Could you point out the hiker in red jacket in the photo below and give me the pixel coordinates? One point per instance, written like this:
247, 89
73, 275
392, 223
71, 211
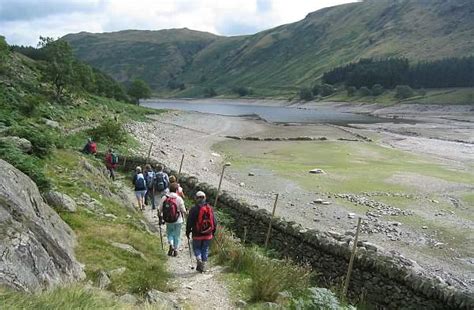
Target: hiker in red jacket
202, 224
111, 162
90, 147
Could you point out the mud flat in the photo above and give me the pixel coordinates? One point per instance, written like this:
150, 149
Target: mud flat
412, 183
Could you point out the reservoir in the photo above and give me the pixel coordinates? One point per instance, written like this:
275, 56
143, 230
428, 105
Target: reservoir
273, 114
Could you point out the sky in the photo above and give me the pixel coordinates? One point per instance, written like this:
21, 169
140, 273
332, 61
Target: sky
23, 21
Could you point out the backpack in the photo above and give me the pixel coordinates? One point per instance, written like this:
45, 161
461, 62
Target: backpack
140, 183
150, 177
160, 182
170, 209
93, 148
205, 222
114, 158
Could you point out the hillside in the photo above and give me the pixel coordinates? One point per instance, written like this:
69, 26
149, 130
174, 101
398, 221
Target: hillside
282, 59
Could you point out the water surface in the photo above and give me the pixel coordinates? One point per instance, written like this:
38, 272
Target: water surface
274, 114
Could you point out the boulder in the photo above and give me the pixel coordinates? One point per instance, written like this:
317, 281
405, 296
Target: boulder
317, 171
130, 249
21, 143
37, 246
50, 123
60, 201
128, 299
157, 297
103, 281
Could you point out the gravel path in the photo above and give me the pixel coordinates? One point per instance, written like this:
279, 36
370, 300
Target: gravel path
191, 289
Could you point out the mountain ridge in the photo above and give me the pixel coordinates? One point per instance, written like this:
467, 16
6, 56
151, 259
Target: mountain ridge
282, 59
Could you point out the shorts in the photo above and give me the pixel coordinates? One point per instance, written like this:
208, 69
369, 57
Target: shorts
140, 194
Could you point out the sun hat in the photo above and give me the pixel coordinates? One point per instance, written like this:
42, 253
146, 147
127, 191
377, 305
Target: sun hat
200, 194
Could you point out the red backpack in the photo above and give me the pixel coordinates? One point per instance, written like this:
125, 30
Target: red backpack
205, 222
170, 209
93, 148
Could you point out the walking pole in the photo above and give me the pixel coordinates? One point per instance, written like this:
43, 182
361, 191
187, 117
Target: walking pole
180, 166
220, 182
271, 220
190, 255
351, 261
245, 235
149, 153
161, 237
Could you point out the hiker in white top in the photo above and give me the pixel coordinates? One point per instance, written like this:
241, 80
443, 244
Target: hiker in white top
171, 210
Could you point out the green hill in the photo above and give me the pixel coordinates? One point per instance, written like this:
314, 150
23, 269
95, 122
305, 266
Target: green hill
280, 60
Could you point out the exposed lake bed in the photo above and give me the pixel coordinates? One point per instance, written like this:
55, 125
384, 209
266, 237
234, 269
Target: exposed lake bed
412, 184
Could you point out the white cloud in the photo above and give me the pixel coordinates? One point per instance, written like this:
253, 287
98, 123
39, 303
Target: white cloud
56, 18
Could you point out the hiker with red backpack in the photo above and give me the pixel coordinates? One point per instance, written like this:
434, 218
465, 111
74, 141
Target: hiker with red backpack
171, 210
111, 162
202, 224
90, 147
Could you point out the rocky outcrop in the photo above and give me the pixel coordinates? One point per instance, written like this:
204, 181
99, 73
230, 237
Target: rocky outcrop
21, 143
36, 246
60, 201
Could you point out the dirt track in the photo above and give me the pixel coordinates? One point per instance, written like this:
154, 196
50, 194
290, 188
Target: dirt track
448, 139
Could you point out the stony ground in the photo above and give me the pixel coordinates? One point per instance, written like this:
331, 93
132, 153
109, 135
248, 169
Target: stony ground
192, 289
194, 134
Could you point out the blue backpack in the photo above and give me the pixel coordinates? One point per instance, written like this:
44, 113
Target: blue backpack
140, 183
150, 177
160, 182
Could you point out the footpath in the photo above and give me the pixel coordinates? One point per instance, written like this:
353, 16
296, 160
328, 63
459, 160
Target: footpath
191, 289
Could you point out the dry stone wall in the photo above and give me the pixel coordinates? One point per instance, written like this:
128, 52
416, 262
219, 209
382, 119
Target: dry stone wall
387, 282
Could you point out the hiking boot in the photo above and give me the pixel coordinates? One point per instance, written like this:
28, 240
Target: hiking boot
204, 267
170, 251
199, 266
175, 253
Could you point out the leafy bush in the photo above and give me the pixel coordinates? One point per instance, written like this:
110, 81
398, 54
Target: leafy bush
351, 90
364, 91
306, 94
109, 131
326, 90
403, 92
42, 138
28, 164
319, 298
377, 90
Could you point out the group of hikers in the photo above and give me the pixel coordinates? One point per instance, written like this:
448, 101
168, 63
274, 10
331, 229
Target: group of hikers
111, 157
164, 194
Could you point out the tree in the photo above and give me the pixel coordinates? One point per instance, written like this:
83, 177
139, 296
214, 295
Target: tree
4, 51
403, 92
306, 94
59, 58
351, 90
377, 90
326, 90
139, 89
365, 91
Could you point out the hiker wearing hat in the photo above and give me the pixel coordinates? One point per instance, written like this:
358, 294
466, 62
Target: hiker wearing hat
172, 211
202, 224
140, 188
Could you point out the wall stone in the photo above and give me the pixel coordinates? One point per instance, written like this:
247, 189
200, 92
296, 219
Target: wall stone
387, 282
